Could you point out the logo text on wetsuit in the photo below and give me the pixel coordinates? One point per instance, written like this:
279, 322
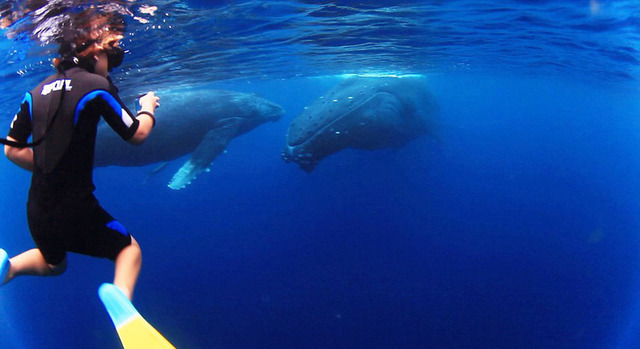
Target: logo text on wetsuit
56, 86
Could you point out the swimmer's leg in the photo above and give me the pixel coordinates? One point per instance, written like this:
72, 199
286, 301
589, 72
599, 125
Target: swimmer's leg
128, 264
32, 262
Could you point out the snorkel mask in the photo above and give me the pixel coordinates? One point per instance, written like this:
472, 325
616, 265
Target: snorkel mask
115, 56
70, 55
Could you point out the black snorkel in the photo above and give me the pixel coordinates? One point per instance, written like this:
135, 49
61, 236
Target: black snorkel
70, 57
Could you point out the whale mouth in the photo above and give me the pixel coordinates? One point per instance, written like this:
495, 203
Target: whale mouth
305, 160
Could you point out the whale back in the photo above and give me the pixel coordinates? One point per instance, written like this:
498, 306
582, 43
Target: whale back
182, 120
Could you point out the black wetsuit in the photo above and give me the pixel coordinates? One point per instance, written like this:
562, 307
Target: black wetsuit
62, 211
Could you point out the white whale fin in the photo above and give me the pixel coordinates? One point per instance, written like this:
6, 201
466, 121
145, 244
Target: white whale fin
213, 144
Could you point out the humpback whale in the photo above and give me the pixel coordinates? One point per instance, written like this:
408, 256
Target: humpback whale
201, 122
362, 113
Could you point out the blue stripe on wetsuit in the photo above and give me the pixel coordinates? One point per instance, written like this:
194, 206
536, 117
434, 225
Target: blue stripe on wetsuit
29, 100
117, 226
106, 96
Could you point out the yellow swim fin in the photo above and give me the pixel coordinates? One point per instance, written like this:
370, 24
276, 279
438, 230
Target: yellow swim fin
134, 331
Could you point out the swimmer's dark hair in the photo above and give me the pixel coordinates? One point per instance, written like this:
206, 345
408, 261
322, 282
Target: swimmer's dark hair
84, 36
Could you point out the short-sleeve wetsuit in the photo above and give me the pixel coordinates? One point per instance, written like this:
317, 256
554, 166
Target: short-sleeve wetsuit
63, 214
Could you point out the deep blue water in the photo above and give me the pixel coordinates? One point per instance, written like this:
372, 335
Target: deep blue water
516, 226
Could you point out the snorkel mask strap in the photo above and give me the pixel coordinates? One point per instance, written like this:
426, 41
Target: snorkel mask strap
69, 53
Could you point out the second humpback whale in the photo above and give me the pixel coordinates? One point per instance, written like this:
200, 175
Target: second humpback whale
201, 122
361, 113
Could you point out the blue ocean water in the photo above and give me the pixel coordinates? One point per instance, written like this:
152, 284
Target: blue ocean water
515, 226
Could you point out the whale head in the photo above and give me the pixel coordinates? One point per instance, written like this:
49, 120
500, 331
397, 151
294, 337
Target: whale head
361, 113
256, 107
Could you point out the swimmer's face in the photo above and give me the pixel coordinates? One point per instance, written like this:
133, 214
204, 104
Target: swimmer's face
102, 64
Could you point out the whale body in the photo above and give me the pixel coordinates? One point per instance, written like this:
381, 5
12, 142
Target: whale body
362, 113
201, 122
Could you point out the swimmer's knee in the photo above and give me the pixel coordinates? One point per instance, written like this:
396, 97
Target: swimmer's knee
133, 249
134, 242
134, 246
59, 269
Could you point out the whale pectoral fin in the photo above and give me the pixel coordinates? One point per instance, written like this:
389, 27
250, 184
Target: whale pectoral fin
213, 143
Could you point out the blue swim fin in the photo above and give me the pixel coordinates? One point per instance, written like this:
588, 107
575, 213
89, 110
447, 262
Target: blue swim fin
134, 331
4, 265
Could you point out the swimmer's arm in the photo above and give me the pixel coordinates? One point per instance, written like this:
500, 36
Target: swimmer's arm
22, 157
148, 103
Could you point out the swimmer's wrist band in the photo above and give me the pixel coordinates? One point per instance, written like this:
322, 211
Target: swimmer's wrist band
150, 114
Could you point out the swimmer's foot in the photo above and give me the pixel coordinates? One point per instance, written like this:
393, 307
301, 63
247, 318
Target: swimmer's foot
4, 266
134, 331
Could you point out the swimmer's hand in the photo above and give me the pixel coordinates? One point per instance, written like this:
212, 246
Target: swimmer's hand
149, 102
